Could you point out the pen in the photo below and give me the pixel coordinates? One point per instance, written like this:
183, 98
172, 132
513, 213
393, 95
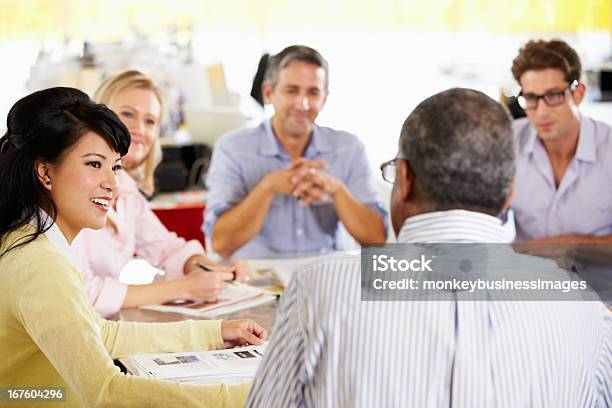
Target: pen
202, 266
208, 269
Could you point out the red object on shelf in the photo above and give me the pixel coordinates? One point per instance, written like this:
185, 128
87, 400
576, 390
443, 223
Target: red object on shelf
184, 219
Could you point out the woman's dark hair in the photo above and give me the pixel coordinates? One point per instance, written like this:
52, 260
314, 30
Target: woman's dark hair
42, 126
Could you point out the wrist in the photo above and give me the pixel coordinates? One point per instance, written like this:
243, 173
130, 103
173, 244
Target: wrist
337, 189
180, 289
221, 331
266, 185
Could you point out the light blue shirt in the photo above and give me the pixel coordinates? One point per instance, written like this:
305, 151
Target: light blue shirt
582, 204
330, 349
241, 159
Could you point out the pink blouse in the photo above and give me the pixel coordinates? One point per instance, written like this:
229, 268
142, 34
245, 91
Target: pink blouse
138, 232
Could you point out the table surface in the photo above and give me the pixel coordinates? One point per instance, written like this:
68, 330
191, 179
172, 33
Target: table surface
264, 315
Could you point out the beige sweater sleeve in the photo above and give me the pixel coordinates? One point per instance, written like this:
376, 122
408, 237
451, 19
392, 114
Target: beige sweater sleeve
54, 310
190, 335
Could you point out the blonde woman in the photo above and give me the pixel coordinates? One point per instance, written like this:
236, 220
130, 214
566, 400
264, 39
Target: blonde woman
132, 228
59, 161
139, 103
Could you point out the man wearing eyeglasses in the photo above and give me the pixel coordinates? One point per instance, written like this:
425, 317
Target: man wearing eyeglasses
563, 190
332, 348
285, 186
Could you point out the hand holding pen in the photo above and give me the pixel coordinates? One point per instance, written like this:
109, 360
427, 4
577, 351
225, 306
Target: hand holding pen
240, 269
218, 269
205, 279
205, 285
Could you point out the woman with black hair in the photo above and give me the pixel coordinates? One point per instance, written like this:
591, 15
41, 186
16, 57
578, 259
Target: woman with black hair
58, 165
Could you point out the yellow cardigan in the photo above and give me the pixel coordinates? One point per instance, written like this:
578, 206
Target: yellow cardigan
50, 336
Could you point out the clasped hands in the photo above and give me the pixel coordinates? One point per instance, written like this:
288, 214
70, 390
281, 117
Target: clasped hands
304, 180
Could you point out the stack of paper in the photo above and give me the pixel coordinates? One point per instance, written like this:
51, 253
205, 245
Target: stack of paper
203, 367
236, 296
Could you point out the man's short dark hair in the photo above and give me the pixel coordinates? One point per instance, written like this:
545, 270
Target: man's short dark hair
459, 145
291, 54
540, 54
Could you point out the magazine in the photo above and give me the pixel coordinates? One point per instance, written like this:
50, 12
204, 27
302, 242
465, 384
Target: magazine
236, 296
198, 367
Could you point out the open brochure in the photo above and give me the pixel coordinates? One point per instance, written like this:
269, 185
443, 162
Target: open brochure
198, 367
236, 296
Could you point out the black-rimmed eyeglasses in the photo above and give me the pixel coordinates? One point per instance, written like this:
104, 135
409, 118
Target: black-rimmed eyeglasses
552, 98
389, 169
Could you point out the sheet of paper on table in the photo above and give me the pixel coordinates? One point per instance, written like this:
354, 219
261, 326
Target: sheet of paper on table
236, 296
283, 268
198, 367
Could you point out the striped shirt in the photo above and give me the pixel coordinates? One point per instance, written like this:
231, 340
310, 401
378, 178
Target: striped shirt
329, 349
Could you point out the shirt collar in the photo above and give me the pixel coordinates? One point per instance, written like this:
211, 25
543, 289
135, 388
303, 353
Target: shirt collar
453, 226
319, 142
271, 146
532, 138
57, 238
586, 149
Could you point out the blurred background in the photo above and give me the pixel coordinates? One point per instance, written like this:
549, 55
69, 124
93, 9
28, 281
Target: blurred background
384, 55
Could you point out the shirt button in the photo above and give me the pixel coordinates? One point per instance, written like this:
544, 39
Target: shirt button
299, 232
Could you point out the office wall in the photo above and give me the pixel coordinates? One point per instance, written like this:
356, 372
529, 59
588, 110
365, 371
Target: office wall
385, 56
111, 19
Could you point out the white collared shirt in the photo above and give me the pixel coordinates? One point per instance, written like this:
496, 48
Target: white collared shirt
330, 349
55, 235
453, 226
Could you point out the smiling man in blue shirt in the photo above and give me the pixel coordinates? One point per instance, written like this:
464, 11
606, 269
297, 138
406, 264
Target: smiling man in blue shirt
284, 186
564, 163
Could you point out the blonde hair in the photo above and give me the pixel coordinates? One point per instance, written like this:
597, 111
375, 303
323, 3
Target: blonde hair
107, 91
